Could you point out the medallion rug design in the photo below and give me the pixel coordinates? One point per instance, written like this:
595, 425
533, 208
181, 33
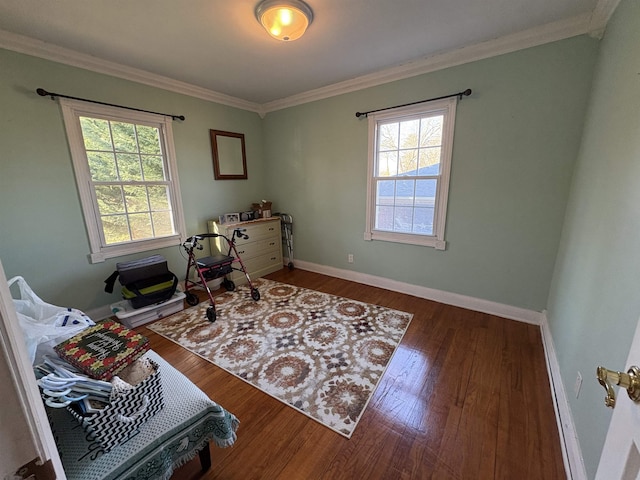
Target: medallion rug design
321, 354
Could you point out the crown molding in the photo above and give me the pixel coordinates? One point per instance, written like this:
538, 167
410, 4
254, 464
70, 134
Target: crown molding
600, 17
593, 24
548, 33
47, 51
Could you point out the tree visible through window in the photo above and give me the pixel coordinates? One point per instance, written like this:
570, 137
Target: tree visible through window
129, 178
131, 202
409, 163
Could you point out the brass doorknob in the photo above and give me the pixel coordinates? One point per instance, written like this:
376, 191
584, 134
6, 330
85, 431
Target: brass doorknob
630, 381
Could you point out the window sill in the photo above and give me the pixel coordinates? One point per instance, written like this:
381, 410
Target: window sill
420, 240
133, 247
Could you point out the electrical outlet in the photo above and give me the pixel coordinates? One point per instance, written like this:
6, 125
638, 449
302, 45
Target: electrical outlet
350, 258
578, 384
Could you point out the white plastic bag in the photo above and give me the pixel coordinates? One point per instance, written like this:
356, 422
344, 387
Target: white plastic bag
43, 323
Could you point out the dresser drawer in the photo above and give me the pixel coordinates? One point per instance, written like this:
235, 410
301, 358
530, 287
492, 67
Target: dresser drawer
258, 231
261, 252
258, 248
258, 266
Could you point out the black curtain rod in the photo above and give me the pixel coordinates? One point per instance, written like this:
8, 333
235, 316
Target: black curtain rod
466, 93
43, 93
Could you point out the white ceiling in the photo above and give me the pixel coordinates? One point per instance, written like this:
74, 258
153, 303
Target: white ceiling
217, 47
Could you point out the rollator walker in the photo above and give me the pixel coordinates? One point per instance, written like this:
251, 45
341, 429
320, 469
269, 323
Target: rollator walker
213, 267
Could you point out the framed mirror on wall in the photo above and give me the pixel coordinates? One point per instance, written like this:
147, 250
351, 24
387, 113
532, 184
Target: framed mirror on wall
229, 156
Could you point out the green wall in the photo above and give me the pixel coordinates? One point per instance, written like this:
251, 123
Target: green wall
42, 233
516, 141
594, 303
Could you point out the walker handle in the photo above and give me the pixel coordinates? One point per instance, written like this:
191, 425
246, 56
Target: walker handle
238, 232
192, 242
203, 235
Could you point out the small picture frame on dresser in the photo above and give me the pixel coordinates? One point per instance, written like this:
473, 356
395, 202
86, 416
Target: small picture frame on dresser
230, 218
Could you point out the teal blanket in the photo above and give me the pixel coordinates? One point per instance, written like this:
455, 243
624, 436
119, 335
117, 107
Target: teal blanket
186, 424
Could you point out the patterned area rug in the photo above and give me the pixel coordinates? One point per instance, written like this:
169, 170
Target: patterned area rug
321, 354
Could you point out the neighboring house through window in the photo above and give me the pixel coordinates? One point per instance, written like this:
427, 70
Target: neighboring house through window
408, 182
126, 173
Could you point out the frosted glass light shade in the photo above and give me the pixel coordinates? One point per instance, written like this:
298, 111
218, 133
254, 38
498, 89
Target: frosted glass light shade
284, 20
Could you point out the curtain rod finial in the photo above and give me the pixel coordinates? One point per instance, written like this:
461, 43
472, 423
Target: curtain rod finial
43, 93
466, 93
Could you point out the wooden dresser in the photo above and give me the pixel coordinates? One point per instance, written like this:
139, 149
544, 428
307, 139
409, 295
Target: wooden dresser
261, 253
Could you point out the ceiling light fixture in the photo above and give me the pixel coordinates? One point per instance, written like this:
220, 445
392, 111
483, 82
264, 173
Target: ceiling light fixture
284, 20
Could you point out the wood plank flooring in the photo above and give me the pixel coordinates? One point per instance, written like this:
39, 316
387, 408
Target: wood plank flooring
466, 396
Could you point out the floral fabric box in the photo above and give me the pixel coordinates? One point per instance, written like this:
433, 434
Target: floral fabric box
103, 350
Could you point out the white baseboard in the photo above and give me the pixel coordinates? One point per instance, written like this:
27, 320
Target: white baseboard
455, 299
100, 313
571, 451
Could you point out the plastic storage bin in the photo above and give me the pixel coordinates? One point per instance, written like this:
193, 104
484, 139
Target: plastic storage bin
132, 318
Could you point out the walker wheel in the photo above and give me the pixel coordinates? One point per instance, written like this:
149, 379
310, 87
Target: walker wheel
211, 314
192, 299
290, 265
228, 285
255, 294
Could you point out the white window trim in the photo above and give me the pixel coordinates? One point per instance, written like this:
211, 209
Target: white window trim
71, 111
437, 241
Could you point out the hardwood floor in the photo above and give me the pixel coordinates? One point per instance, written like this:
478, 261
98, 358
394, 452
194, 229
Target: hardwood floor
466, 396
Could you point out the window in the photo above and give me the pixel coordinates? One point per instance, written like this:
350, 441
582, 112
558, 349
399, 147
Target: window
126, 173
408, 182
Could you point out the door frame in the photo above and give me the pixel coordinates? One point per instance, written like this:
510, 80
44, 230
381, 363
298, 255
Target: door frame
24, 382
